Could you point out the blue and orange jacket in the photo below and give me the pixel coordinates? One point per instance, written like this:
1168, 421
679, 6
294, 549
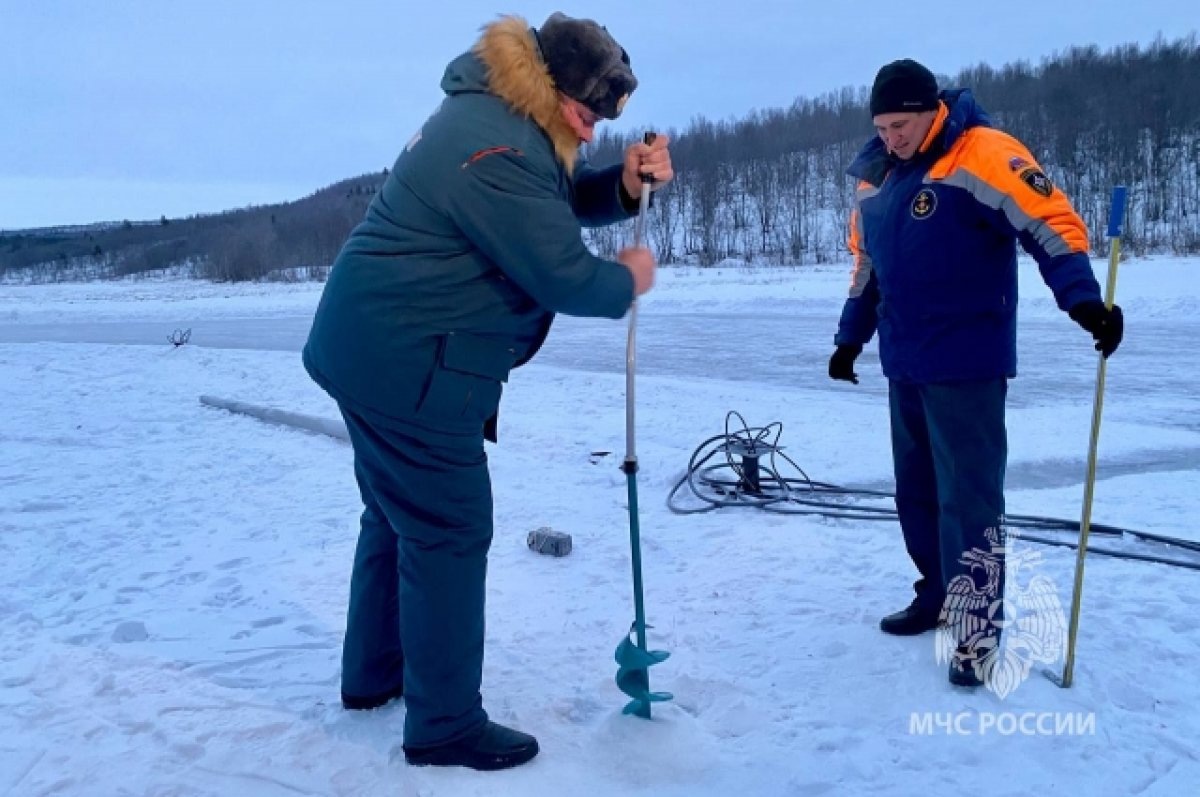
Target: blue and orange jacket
934, 245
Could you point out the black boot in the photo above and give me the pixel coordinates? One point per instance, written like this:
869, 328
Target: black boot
962, 669
914, 620
492, 747
359, 703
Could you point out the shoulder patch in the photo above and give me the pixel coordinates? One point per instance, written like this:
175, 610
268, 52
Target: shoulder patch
483, 153
1036, 179
924, 203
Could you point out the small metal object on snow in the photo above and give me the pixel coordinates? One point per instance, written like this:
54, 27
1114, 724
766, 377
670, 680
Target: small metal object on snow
550, 542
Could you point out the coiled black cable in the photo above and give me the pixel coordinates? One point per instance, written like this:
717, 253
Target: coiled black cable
758, 484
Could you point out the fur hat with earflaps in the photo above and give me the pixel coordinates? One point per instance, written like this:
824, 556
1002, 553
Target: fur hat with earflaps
586, 63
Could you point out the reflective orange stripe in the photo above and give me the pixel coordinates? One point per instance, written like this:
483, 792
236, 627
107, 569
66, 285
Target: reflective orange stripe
998, 161
860, 272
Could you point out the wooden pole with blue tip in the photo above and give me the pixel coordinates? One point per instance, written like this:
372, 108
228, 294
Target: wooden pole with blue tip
1116, 219
633, 658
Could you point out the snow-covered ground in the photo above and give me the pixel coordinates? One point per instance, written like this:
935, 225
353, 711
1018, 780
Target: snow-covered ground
174, 577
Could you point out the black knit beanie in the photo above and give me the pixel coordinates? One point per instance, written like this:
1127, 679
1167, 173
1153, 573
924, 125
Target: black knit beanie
904, 86
586, 63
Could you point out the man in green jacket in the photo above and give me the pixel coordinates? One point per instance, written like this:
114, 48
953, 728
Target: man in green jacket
453, 279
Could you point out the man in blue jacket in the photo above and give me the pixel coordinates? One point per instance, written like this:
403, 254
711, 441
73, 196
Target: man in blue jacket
452, 280
943, 201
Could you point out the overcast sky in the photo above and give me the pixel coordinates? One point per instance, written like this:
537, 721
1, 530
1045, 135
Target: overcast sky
139, 108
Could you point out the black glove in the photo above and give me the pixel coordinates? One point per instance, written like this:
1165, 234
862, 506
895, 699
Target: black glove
841, 364
1107, 326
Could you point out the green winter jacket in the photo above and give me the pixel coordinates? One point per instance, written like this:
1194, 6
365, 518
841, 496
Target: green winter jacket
468, 250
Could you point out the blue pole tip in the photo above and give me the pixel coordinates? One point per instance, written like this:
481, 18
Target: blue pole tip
1116, 214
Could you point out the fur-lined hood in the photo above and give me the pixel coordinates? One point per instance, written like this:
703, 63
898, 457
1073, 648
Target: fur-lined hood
513, 70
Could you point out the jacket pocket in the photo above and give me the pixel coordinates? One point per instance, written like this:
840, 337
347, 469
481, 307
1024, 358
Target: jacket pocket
465, 384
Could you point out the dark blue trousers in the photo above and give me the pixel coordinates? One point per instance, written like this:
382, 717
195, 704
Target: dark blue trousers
416, 612
949, 450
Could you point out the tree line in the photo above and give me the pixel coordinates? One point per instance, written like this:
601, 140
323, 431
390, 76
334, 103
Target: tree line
288, 241
770, 187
